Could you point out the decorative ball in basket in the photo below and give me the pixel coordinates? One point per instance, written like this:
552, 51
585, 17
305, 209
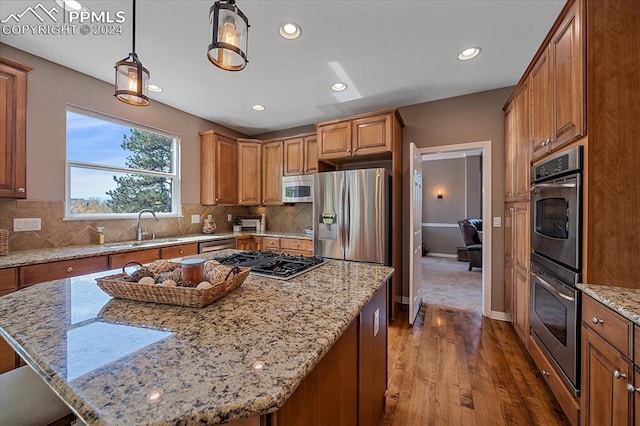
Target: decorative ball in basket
171, 283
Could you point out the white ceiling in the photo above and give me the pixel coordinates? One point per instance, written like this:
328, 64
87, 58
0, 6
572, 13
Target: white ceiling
393, 53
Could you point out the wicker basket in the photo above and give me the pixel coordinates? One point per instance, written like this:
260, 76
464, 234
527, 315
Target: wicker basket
4, 242
117, 286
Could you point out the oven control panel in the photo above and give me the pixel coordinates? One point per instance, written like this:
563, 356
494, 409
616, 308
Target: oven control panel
566, 162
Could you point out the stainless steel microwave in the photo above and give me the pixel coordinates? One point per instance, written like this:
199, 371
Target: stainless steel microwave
297, 189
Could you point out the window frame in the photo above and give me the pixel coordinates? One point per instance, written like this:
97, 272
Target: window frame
176, 196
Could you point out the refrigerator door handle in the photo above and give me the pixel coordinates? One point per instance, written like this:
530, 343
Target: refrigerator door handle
346, 207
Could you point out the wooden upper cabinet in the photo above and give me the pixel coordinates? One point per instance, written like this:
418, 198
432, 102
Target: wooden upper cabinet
540, 107
567, 57
294, 156
249, 172
557, 87
218, 169
13, 129
523, 144
510, 153
272, 164
310, 154
372, 135
362, 135
334, 140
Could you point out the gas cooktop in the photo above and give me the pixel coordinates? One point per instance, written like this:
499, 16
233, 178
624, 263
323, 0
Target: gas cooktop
273, 265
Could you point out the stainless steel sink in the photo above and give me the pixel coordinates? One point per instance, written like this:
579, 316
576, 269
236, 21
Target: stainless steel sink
125, 244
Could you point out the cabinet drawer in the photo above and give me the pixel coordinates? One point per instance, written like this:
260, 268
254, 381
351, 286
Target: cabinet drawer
142, 256
34, 274
611, 326
269, 243
178, 251
296, 244
569, 404
8, 280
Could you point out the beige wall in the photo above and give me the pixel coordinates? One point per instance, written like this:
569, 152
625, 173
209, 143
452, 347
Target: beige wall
52, 87
471, 118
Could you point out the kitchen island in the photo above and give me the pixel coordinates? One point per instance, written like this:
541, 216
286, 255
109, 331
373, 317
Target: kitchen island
123, 362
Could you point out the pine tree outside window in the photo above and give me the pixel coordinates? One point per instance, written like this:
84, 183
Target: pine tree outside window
116, 168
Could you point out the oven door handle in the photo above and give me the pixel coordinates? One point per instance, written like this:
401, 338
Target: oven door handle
554, 290
552, 185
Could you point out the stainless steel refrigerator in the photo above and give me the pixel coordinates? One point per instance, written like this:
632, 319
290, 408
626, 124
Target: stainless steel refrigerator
351, 215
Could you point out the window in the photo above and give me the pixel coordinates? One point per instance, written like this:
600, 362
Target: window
116, 168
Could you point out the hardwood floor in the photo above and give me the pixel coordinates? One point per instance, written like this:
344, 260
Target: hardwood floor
457, 368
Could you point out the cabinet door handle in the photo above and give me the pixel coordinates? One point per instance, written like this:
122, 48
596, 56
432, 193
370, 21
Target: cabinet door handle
70, 269
21, 189
181, 251
545, 373
596, 320
631, 389
619, 375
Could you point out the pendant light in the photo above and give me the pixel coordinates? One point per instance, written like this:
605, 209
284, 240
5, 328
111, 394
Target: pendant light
228, 48
132, 79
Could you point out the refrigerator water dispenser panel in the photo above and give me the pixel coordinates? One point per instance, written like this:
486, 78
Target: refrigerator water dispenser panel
327, 227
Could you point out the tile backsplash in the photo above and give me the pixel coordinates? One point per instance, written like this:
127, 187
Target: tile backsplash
56, 232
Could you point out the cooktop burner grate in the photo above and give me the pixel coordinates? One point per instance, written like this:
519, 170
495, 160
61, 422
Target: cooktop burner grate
273, 265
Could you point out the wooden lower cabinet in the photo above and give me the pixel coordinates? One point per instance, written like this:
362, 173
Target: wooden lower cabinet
348, 385
296, 246
607, 367
142, 256
271, 244
178, 251
521, 306
249, 243
34, 274
569, 403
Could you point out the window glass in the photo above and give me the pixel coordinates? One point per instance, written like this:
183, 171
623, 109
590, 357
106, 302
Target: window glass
116, 168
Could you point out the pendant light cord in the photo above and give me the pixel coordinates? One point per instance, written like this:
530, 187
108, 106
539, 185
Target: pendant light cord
133, 47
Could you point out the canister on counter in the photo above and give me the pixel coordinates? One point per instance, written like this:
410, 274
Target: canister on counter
192, 270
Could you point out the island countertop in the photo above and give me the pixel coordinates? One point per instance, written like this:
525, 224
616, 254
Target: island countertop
123, 362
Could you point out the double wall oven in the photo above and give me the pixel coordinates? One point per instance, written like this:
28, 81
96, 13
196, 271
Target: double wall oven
556, 228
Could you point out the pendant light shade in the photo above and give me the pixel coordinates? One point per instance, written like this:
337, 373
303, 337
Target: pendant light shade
132, 79
228, 48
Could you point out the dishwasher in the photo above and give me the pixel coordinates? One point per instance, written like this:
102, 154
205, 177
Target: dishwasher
217, 245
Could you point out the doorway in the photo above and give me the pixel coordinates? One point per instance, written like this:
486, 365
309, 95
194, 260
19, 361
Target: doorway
484, 148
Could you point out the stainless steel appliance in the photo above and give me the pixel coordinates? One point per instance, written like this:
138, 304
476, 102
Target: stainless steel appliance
351, 212
297, 189
556, 245
217, 245
555, 316
556, 208
272, 265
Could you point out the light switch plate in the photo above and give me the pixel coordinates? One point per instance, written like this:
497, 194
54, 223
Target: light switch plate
229, 217
27, 224
497, 222
195, 218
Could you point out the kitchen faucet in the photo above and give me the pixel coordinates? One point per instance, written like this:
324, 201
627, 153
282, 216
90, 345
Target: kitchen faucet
140, 233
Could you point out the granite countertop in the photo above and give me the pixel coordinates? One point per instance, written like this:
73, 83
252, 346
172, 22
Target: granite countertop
31, 257
625, 301
124, 362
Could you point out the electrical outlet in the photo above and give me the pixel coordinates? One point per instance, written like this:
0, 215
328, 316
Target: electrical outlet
229, 217
27, 224
497, 222
195, 218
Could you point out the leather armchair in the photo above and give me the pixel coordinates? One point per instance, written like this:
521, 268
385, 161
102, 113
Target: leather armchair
469, 229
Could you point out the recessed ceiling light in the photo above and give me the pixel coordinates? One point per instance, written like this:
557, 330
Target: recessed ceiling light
290, 30
258, 107
155, 88
469, 53
70, 4
338, 87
